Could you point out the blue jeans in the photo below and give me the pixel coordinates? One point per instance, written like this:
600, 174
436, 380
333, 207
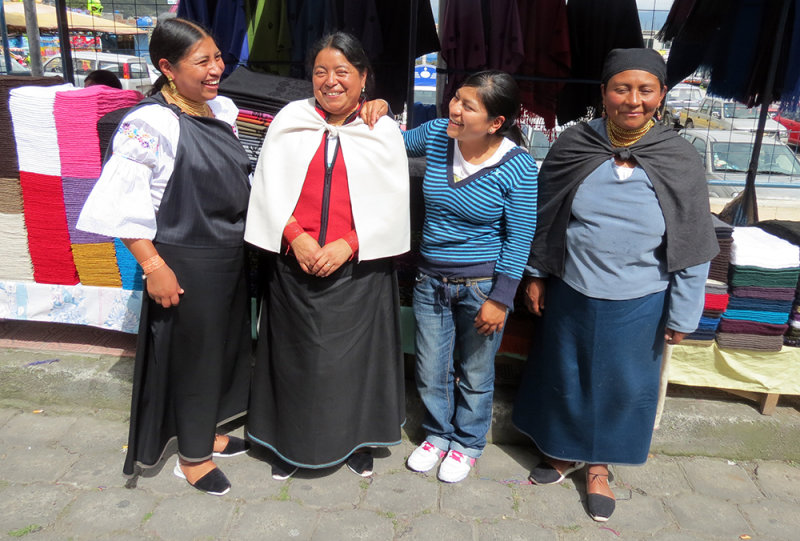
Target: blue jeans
457, 394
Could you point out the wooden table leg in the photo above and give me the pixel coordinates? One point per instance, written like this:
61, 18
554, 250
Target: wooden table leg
769, 401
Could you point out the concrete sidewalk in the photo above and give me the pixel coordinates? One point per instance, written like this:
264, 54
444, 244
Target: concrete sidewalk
719, 471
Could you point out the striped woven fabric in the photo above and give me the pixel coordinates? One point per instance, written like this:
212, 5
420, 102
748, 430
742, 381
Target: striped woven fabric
15, 260
9, 167
77, 112
76, 190
97, 264
129, 269
48, 236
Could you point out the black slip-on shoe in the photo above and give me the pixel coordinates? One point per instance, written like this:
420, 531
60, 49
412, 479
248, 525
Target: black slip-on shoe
214, 482
236, 446
360, 463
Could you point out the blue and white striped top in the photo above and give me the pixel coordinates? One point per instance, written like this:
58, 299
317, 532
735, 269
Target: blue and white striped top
484, 224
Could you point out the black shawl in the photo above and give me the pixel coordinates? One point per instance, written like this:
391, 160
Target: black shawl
674, 168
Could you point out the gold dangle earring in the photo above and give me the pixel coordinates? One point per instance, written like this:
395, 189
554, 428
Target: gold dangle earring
171, 84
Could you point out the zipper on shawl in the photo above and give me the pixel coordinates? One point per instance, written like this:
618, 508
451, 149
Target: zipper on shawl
326, 191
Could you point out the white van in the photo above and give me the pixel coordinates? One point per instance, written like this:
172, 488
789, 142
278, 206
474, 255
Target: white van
131, 70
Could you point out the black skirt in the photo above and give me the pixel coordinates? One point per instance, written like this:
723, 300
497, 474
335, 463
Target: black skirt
193, 360
329, 376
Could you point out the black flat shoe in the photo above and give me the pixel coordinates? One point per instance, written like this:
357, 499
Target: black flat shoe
236, 446
282, 470
214, 482
545, 473
600, 507
360, 463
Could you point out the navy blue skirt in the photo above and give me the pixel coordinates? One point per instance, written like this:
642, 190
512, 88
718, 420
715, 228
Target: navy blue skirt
590, 388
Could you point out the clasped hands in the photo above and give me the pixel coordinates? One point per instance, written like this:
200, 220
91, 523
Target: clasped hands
319, 260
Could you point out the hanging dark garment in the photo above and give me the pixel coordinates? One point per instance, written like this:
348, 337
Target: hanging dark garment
735, 39
479, 35
230, 30
463, 44
269, 37
595, 27
199, 11
546, 45
192, 368
226, 21
391, 66
307, 24
790, 90
694, 26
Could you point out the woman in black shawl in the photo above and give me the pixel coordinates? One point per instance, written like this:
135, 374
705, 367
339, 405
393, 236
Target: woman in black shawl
622, 245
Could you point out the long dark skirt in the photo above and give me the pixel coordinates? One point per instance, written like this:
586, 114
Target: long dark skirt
328, 377
590, 388
193, 360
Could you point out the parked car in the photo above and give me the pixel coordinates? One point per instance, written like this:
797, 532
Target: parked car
682, 96
719, 114
131, 70
791, 119
726, 156
16, 67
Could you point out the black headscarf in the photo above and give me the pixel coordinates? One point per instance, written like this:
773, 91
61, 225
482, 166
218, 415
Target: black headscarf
619, 60
673, 166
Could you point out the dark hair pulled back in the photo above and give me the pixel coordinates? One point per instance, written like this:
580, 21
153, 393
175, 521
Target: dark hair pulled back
171, 40
350, 47
499, 93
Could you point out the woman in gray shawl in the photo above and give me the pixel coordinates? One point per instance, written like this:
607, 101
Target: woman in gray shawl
622, 245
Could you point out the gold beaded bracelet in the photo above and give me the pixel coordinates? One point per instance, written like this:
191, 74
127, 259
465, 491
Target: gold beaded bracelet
151, 264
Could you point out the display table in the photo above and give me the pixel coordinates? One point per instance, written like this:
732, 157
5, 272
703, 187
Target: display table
109, 308
762, 376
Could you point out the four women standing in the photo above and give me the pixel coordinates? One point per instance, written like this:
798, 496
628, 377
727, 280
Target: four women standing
330, 205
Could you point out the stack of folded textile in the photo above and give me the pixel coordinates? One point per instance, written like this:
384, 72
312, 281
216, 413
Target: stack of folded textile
259, 97
789, 231
252, 127
15, 259
40, 177
763, 278
77, 112
716, 299
719, 265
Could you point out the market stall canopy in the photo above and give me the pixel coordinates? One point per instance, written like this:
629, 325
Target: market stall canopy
46, 15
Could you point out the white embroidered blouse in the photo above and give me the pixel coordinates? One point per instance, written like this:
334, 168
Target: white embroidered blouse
124, 202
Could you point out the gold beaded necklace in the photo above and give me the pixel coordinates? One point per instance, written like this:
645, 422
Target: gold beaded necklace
620, 137
190, 107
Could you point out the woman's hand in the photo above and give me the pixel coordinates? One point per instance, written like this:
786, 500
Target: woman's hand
372, 110
674, 337
332, 256
534, 295
163, 287
491, 317
306, 250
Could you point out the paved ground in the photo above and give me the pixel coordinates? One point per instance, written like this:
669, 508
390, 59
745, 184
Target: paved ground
63, 428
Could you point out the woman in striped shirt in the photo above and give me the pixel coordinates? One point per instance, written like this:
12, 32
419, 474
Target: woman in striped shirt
480, 215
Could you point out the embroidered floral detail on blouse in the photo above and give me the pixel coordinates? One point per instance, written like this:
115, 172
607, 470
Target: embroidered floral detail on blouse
145, 139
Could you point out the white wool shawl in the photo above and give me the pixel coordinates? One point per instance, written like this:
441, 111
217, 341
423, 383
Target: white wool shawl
377, 175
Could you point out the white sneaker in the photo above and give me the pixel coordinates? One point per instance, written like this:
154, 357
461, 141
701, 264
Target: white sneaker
455, 467
424, 457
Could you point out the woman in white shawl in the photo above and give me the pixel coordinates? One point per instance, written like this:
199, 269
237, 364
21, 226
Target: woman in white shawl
330, 203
